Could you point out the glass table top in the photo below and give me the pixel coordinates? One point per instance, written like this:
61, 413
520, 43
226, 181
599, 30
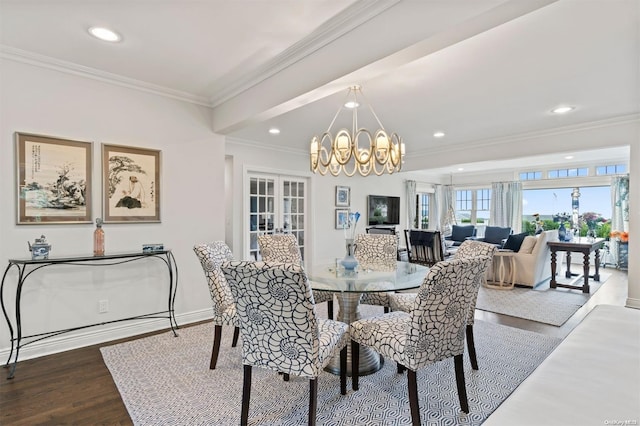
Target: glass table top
370, 277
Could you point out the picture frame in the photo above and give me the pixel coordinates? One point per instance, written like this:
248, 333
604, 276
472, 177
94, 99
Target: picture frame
343, 196
342, 218
130, 184
53, 180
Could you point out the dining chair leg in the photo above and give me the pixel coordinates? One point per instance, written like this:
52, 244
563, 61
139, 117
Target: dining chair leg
285, 377
236, 333
343, 371
217, 335
313, 401
412, 385
462, 389
246, 396
387, 310
330, 309
401, 368
355, 364
471, 347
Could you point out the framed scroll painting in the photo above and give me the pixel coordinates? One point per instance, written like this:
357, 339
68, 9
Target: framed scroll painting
130, 184
53, 180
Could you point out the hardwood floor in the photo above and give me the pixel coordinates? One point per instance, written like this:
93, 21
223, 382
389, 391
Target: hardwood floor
75, 387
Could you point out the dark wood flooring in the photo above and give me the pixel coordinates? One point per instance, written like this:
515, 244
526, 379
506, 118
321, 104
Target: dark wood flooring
75, 387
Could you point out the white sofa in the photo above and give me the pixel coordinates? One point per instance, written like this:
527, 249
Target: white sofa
591, 378
535, 267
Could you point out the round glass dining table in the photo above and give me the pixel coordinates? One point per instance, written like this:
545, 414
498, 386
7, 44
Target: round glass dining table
349, 287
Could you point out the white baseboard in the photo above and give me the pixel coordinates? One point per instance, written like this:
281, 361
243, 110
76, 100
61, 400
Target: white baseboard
633, 303
101, 334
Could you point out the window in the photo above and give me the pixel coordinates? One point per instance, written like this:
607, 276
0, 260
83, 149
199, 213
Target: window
611, 169
565, 173
422, 211
472, 206
530, 175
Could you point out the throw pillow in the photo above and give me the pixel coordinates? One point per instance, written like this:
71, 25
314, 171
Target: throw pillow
514, 241
460, 233
528, 244
496, 234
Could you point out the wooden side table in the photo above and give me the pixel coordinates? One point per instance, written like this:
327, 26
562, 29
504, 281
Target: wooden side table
500, 283
579, 245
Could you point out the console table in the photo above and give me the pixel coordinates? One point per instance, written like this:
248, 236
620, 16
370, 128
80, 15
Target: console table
581, 245
26, 267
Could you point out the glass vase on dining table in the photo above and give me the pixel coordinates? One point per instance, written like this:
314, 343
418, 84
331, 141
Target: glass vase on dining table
591, 233
349, 262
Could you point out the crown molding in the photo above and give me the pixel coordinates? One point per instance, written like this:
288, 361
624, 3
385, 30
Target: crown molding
484, 143
43, 61
353, 16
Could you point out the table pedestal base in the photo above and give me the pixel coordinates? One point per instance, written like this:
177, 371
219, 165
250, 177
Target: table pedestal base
348, 312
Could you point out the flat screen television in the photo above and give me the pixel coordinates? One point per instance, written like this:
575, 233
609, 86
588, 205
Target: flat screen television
384, 210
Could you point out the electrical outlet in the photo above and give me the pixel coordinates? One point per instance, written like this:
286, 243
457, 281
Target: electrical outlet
103, 306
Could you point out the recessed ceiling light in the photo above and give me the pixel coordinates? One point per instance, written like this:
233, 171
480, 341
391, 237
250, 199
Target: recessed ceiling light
562, 109
352, 104
460, 169
568, 157
104, 34
274, 131
438, 135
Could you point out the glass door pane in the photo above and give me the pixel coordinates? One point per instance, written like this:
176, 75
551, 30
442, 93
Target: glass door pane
276, 205
293, 220
261, 210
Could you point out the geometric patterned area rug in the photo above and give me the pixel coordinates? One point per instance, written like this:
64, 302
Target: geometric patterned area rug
165, 380
545, 305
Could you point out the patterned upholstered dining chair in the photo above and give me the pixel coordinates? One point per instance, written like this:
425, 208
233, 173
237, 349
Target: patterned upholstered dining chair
284, 248
376, 249
432, 331
290, 339
470, 248
211, 256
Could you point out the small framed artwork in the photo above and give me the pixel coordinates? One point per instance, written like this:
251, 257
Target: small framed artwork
342, 218
53, 180
343, 196
130, 184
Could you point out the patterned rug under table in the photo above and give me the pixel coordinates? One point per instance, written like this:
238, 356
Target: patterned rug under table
165, 380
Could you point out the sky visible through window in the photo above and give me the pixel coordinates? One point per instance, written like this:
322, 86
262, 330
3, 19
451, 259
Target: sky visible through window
548, 202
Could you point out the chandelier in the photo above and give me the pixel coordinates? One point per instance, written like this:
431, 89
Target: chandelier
360, 150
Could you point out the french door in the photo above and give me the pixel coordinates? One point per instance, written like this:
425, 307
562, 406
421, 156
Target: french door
277, 204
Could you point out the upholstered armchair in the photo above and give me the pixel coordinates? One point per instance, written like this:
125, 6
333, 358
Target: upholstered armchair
211, 256
290, 339
284, 248
432, 331
376, 249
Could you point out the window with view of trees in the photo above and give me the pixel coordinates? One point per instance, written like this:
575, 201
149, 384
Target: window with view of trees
472, 206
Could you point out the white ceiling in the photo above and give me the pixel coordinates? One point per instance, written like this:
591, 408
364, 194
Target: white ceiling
480, 70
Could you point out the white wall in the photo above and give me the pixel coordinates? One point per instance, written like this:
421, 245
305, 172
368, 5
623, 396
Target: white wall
324, 241
45, 101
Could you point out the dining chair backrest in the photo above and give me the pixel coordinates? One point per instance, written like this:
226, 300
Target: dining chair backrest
374, 248
277, 316
439, 315
471, 248
211, 256
424, 246
279, 248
